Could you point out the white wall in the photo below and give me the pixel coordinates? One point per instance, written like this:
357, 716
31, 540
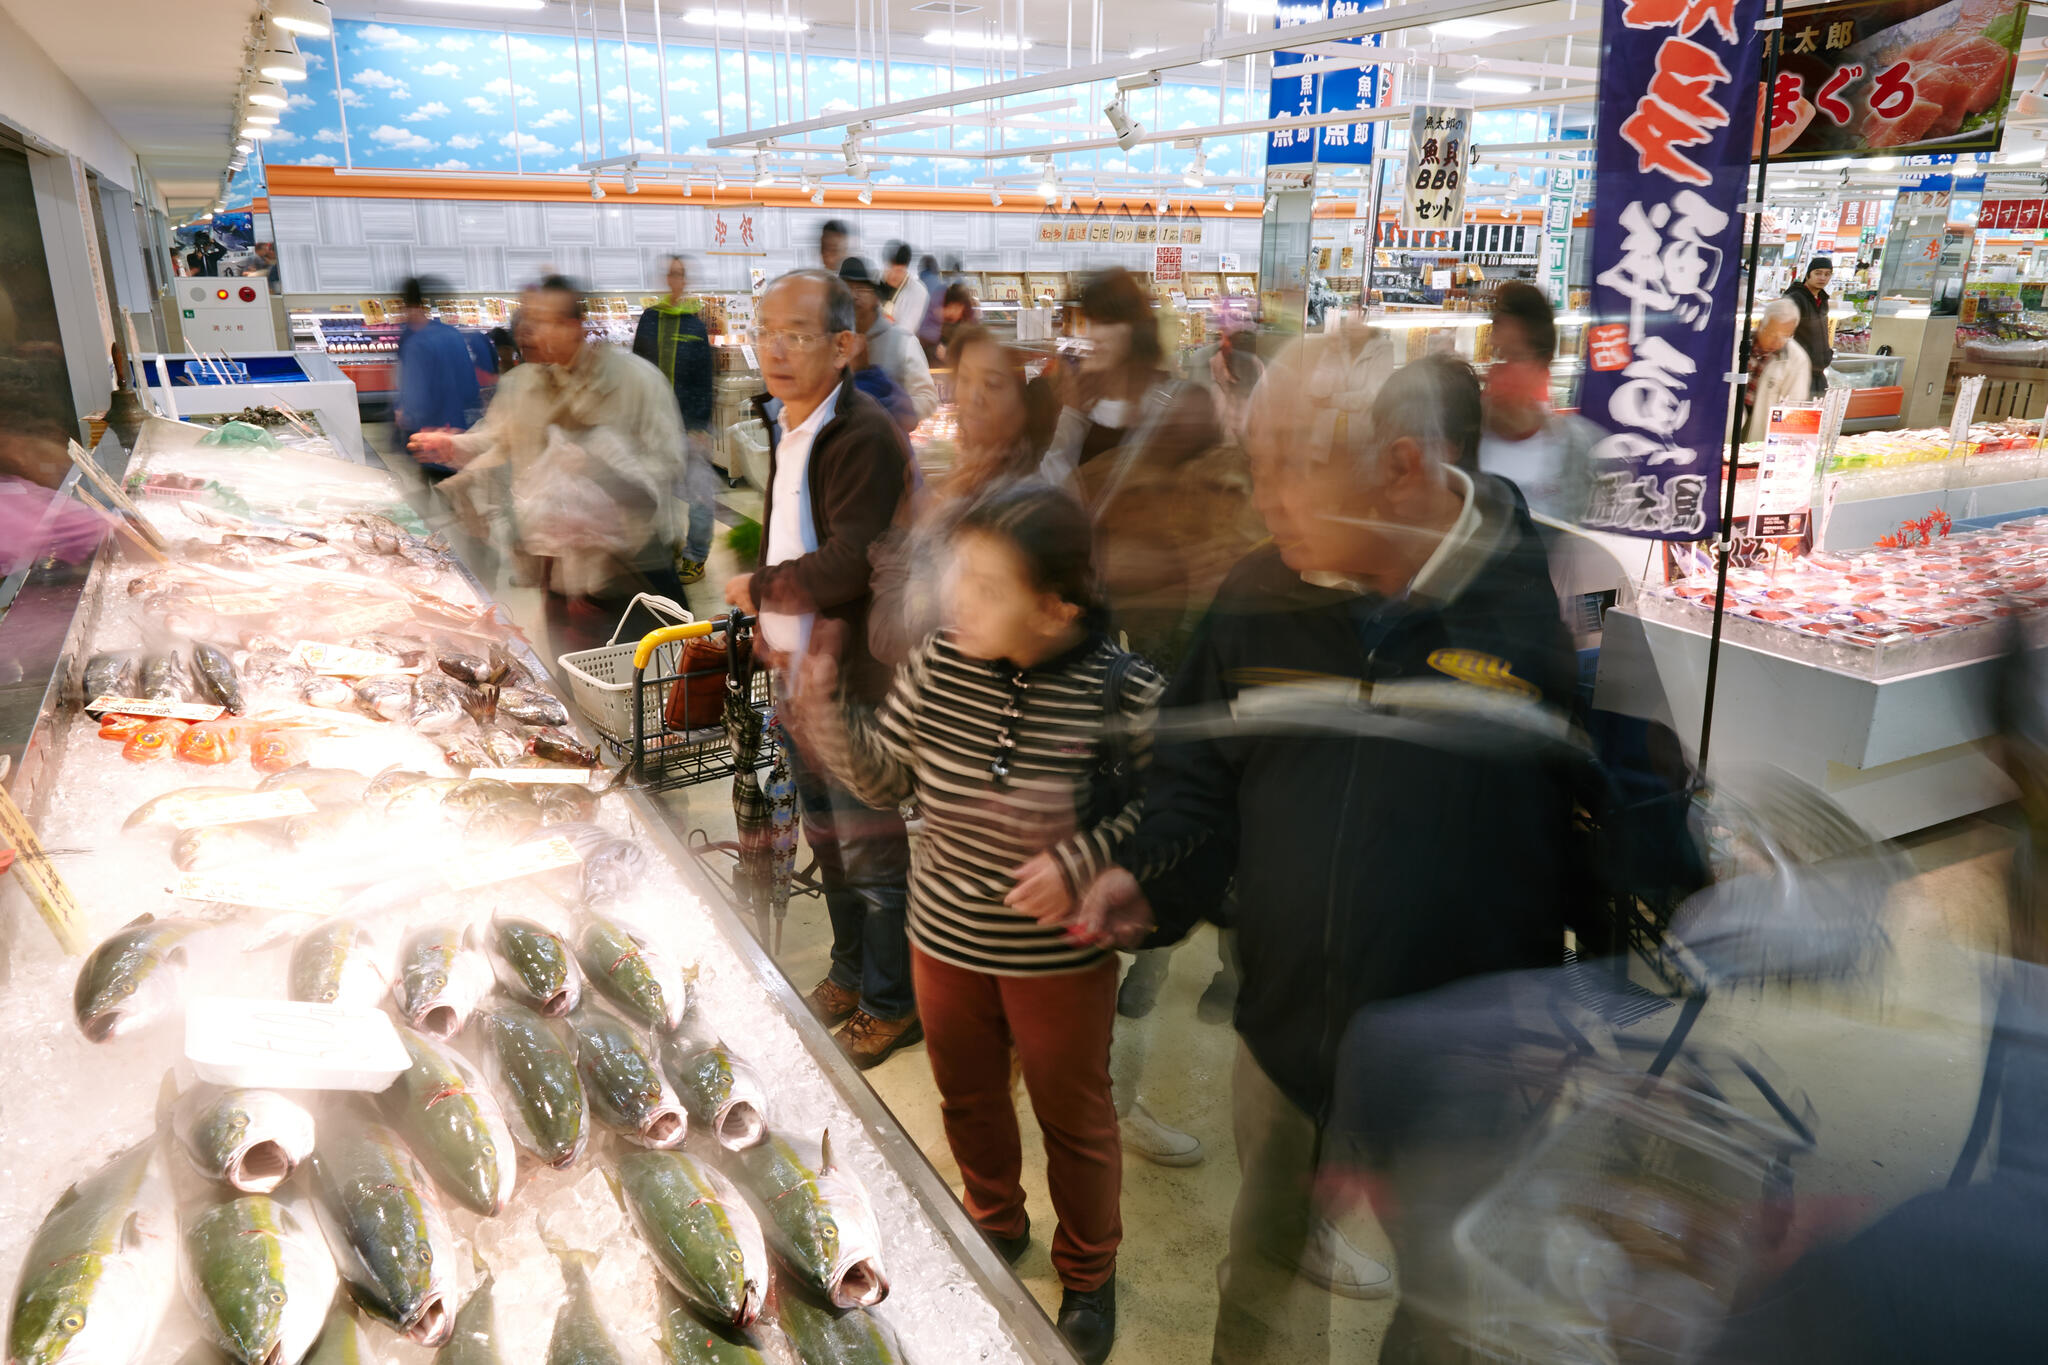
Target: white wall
38, 98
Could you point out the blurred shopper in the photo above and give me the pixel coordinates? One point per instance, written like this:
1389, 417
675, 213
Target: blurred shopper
672, 336
1002, 431
1546, 454
587, 443
266, 266
437, 388
931, 322
1779, 370
838, 470
832, 244
1229, 368
1023, 671
904, 295
889, 346
959, 312
1408, 844
1810, 294
1127, 432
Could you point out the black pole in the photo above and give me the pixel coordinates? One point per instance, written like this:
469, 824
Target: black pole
1773, 40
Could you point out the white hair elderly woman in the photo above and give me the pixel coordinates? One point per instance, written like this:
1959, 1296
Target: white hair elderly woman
1779, 371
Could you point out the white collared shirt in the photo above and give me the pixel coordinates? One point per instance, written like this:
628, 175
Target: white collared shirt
792, 535
1461, 530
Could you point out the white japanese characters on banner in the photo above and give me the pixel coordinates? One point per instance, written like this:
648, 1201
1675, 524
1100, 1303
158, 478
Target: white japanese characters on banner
1439, 152
1677, 119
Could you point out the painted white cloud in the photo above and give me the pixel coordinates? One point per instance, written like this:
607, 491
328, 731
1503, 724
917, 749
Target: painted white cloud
401, 139
561, 78
454, 44
696, 61
329, 135
481, 105
352, 98
314, 61
526, 144
449, 165
319, 159
686, 85
383, 35
281, 137
734, 100
644, 144
299, 102
439, 69
465, 141
371, 78
833, 106
431, 109
620, 93
890, 180
553, 118
526, 50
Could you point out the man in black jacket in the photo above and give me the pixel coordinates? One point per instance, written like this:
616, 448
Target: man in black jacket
1811, 294
672, 336
838, 468
1367, 728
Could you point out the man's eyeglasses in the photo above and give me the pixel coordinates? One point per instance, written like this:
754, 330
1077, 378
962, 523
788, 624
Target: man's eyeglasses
796, 341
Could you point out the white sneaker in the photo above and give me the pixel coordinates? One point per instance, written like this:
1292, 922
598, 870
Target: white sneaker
1331, 1261
1156, 1142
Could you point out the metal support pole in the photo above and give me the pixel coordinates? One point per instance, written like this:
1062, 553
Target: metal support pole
661, 71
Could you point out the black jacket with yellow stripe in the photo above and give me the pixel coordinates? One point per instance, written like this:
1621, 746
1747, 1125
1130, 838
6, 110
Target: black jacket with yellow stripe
1392, 781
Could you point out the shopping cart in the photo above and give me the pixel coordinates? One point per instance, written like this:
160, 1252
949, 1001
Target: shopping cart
625, 691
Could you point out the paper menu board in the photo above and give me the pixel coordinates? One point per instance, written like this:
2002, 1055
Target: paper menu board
1785, 470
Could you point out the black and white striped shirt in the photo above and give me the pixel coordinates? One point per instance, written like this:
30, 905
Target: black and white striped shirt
949, 722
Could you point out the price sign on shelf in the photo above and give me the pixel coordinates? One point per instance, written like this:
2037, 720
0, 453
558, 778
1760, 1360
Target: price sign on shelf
484, 869
196, 812
1967, 394
158, 710
1784, 476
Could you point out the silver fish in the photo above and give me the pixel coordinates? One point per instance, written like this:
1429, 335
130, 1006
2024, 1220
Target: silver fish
132, 977
388, 1233
819, 1222
531, 707
623, 1082
437, 704
157, 812
259, 1279
101, 1271
250, 1139
441, 977
387, 696
211, 847
318, 689
336, 963
720, 1090
322, 786
112, 675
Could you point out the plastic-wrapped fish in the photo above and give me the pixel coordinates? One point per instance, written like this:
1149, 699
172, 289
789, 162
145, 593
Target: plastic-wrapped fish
536, 1080
476, 1337
452, 1123
409, 652
580, 1337
112, 675
275, 748
377, 793
318, 689
559, 746
561, 803
335, 963
322, 786
437, 704
132, 977
158, 739
531, 707
470, 668
259, 1279
387, 696
503, 745
102, 1269
704, 1236
390, 1234
122, 728
534, 964
612, 866
820, 1223
638, 977
167, 677
157, 812
623, 1082
464, 748
441, 977
723, 1094
217, 679
211, 847
249, 1139
213, 741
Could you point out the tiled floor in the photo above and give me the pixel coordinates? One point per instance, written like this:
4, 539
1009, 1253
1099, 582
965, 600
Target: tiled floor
1890, 1064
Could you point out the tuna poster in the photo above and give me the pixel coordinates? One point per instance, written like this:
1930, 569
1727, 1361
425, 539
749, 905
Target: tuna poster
1893, 77
1677, 119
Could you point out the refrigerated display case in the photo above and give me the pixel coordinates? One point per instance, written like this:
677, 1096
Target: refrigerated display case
303, 573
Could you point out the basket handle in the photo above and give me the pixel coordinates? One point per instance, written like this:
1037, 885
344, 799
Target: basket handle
656, 603
653, 640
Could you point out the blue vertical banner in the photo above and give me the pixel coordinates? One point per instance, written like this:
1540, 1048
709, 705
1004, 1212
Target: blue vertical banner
1678, 105
1333, 92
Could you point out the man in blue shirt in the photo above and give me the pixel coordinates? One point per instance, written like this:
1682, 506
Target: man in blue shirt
437, 389
672, 336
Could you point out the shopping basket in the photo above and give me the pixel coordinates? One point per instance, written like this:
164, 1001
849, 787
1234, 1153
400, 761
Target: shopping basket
623, 691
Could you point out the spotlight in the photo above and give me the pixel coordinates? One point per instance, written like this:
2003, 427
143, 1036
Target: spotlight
260, 118
719, 171
632, 185
278, 58
995, 198
268, 93
818, 196
243, 147
256, 132
1269, 204
596, 190
763, 177
1048, 179
1230, 202
866, 195
856, 164
1193, 179
309, 17
1128, 130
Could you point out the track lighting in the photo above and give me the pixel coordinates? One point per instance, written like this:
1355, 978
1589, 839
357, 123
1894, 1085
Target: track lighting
1048, 177
626, 178
1230, 202
1128, 130
277, 57
268, 93
995, 198
866, 195
596, 190
309, 17
763, 177
818, 196
1194, 178
856, 164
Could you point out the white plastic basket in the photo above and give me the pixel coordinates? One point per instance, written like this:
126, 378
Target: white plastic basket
601, 680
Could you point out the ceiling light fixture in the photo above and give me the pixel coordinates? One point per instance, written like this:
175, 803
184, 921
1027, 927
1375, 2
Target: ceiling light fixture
995, 197
256, 132
970, 41
759, 23
309, 17
1194, 178
1128, 130
818, 196
279, 59
490, 4
596, 190
866, 195
1048, 177
1495, 85
763, 177
632, 185
1230, 202
244, 147
260, 118
268, 93
856, 164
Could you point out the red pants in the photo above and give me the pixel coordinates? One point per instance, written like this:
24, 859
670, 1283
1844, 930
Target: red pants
1060, 1027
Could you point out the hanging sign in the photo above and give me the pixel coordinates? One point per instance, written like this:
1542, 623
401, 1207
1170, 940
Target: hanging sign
1893, 78
1439, 148
1676, 119
1785, 470
1557, 231
1166, 265
1331, 92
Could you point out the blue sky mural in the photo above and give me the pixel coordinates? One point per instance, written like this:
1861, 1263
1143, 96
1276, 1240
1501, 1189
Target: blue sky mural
422, 97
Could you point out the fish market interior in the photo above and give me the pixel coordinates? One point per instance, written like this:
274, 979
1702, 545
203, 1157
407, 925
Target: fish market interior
815, 682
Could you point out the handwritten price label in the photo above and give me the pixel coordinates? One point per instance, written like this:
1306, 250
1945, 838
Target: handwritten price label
194, 812
466, 874
343, 662
534, 776
244, 603
161, 710
377, 616
255, 890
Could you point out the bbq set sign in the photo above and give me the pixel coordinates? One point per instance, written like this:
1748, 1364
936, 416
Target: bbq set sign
1677, 121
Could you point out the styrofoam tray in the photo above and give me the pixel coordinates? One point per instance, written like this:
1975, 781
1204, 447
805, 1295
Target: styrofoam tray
291, 1045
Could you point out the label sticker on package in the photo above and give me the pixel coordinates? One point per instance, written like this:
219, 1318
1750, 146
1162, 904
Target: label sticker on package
533, 776
243, 603
376, 616
260, 891
343, 662
161, 710
197, 811
466, 874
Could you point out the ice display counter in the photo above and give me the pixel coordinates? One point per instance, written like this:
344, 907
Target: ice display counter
187, 385
317, 654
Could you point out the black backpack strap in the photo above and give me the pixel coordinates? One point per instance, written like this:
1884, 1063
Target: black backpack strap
1116, 777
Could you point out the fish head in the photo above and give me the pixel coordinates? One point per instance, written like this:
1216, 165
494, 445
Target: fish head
662, 1125
741, 1119
268, 1136
851, 1243
53, 1321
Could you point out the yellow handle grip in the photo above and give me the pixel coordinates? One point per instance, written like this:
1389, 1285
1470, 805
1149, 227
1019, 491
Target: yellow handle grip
644, 651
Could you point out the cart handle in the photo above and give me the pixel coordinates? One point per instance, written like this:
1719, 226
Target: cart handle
653, 640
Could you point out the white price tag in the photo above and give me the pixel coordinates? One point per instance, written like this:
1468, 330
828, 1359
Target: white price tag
193, 812
465, 874
376, 616
243, 603
343, 662
161, 710
261, 891
533, 776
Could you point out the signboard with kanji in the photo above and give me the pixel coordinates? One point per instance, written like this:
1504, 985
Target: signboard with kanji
1676, 125
1332, 92
1893, 77
1439, 154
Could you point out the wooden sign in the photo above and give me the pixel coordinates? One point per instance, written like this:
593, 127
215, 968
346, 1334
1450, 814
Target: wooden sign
58, 907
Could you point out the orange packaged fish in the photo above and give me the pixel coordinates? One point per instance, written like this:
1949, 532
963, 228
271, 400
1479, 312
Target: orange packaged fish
158, 739
275, 748
119, 727
213, 741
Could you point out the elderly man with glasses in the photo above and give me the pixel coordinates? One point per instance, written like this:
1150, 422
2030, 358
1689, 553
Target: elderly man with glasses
838, 468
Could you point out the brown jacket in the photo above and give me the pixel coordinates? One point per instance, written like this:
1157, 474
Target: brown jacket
859, 471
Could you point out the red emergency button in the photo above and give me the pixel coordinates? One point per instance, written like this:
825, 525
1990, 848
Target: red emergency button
220, 293
248, 294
